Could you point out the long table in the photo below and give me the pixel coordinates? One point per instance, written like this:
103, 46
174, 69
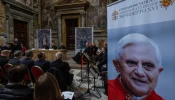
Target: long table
50, 54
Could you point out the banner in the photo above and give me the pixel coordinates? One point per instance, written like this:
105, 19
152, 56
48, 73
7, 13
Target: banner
43, 35
156, 20
83, 35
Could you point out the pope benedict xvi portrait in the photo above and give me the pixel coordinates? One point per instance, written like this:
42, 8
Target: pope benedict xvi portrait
138, 62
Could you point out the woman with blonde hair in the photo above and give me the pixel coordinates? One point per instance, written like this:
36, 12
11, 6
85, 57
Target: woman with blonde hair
47, 88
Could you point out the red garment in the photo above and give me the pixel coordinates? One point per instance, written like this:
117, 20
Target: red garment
23, 49
116, 91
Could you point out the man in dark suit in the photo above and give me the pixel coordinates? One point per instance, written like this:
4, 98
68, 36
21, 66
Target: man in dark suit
63, 67
45, 46
54, 46
16, 59
62, 46
15, 90
29, 63
28, 60
87, 49
4, 58
42, 63
17, 44
7, 47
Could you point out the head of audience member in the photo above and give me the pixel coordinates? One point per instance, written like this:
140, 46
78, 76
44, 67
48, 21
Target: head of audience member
90, 45
16, 74
16, 39
93, 44
47, 88
29, 54
41, 55
59, 55
5, 53
87, 44
138, 61
18, 54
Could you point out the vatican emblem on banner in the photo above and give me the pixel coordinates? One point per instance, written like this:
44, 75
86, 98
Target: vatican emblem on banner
115, 15
166, 3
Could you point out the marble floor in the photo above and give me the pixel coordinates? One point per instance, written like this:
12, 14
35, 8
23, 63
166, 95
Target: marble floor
81, 86
80, 89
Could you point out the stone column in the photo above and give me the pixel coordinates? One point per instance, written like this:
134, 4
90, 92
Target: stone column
59, 29
30, 34
7, 15
82, 19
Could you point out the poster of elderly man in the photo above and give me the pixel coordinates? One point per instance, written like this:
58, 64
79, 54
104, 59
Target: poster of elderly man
141, 50
43, 37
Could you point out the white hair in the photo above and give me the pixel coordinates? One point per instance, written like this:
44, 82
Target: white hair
132, 39
59, 55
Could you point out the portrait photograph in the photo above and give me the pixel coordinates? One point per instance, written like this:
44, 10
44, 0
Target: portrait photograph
141, 51
43, 36
83, 35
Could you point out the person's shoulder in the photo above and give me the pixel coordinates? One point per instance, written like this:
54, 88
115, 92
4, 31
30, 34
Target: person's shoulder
115, 87
154, 96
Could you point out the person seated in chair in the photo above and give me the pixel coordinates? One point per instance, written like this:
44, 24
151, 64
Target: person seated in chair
15, 89
54, 46
63, 67
16, 59
47, 88
28, 60
45, 46
4, 58
62, 46
29, 63
42, 63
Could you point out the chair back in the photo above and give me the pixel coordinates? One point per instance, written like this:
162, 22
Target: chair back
7, 66
37, 72
58, 75
27, 77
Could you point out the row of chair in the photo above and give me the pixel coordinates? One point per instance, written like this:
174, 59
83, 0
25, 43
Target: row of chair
36, 72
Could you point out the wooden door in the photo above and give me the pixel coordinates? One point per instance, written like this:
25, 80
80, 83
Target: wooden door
70, 33
20, 32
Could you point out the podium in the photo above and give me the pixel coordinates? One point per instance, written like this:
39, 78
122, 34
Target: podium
50, 54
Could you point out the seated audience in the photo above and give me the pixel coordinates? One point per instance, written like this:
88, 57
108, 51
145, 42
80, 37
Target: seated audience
4, 58
63, 67
7, 47
62, 46
16, 59
54, 46
29, 63
15, 89
60, 78
45, 46
47, 88
42, 63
